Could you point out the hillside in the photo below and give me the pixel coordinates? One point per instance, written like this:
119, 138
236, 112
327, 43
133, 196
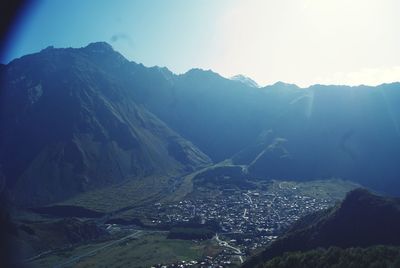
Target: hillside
362, 219
69, 125
377, 256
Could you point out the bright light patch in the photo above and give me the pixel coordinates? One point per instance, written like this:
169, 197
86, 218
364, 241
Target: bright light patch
311, 41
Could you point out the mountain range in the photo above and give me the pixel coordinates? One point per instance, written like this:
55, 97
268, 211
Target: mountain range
77, 119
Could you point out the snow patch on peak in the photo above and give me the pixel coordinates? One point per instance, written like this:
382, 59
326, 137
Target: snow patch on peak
245, 80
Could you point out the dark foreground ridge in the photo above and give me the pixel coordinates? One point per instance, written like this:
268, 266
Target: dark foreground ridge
363, 219
371, 257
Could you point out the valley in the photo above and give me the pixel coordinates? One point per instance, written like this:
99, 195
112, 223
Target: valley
210, 226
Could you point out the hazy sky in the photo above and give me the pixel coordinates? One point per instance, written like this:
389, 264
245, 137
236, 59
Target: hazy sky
296, 41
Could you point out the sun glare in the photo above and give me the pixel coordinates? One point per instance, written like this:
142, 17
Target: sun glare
310, 41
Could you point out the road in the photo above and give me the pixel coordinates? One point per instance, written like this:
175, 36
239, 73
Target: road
225, 244
48, 252
194, 211
94, 251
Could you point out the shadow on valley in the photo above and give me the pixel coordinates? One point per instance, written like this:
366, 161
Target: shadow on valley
67, 211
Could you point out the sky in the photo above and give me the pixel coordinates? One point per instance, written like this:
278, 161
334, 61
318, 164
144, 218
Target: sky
303, 42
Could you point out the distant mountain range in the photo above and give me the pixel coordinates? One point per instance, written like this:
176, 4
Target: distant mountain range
72, 120
362, 220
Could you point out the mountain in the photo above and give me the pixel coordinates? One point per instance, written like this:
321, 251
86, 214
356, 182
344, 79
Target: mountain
245, 80
345, 132
362, 219
69, 125
72, 120
331, 131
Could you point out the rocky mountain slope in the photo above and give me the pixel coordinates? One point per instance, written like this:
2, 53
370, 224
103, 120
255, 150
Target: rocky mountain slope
69, 125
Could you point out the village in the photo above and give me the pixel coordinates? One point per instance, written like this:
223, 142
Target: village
248, 219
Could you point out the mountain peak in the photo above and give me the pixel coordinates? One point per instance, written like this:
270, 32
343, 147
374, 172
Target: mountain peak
201, 73
245, 80
283, 84
99, 47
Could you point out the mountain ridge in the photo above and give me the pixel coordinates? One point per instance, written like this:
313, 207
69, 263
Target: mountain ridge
362, 219
107, 45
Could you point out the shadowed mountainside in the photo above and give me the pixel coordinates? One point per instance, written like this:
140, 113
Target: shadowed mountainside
362, 219
68, 125
371, 257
